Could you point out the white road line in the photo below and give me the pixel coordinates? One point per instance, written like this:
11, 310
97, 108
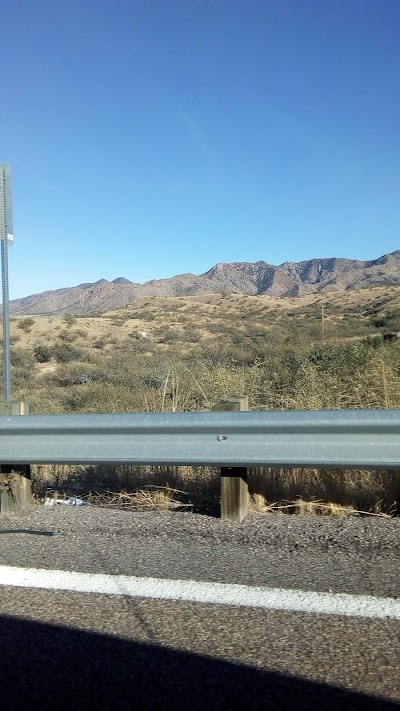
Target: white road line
215, 593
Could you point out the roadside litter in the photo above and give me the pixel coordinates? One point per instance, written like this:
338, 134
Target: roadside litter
72, 501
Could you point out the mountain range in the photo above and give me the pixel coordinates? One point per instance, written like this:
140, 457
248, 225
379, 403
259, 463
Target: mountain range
253, 278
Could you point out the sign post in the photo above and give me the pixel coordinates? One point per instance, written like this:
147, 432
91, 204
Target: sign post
15, 481
6, 238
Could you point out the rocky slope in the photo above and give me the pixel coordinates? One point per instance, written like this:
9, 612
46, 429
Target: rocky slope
258, 278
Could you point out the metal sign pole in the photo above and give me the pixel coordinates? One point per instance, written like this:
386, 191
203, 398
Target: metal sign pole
6, 321
15, 481
6, 237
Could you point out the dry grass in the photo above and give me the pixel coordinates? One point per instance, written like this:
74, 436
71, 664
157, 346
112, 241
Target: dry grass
151, 498
375, 492
301, 507
301, 491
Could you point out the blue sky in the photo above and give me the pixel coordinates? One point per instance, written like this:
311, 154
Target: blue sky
154, 137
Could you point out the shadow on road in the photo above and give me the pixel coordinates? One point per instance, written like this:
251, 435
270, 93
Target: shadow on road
47, 667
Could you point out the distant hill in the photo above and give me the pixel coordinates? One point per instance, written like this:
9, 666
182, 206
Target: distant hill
259, 278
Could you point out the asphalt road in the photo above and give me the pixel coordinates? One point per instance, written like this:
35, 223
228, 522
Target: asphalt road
69, 649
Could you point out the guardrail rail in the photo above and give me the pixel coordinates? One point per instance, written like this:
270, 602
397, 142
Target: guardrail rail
234, 441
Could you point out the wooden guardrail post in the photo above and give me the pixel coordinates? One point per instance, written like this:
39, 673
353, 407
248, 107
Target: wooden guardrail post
15, 479
234, 488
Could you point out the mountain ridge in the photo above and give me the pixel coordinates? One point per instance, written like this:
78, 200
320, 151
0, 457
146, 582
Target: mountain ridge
252, 278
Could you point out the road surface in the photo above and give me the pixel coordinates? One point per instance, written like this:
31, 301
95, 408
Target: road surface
107, 609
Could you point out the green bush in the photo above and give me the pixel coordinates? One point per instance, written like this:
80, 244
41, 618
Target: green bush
379, 322
75, 401
64, 353
42, 353
79, 374
339, 358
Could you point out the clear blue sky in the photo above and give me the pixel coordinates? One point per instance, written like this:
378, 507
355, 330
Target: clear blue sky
154, 137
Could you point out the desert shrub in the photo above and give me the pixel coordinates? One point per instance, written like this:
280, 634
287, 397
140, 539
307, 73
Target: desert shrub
191, 335
379, 321
26, 324
42, 401
64, 353
70, 319
80, 333
242, 353
42, 353
218, 328
100, 397
168, 335
78, 374
213, 355
134, 346
375, 341
22, 368
21, 357
21, 377
183, 318
68, 336
153, 381
339, 358
144, 314
75, 401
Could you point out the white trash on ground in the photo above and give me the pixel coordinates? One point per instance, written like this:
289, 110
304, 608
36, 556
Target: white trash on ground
72, 501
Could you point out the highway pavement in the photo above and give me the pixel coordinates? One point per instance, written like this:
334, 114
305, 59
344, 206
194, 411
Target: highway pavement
277, 612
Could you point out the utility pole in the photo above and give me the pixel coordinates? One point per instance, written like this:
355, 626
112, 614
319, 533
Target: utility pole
6, 238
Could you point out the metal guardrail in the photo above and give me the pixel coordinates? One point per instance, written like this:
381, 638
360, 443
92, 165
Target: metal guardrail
367, 439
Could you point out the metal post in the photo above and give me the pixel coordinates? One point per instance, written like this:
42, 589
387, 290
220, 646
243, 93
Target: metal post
6, 321
6, 237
